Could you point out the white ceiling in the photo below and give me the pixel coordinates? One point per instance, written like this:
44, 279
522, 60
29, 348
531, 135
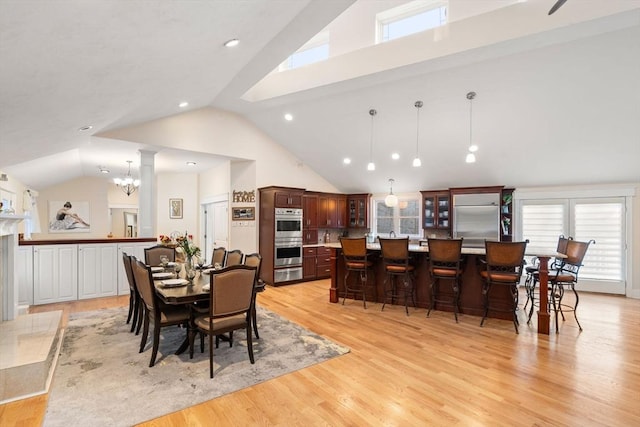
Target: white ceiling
112, 64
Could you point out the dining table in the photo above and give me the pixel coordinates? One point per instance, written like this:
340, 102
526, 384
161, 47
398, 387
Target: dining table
193, 291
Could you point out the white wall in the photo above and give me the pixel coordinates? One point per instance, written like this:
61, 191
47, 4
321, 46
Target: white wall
177, 186
244, 234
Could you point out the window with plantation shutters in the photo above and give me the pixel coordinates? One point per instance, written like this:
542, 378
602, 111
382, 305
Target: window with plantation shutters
584, 219
602, 222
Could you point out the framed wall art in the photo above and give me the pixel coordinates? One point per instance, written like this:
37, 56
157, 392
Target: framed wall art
175, 208
69, 217
247, 213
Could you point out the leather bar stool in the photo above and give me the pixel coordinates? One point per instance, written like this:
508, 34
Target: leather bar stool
505, 261
356, 260
445, 263
395, 257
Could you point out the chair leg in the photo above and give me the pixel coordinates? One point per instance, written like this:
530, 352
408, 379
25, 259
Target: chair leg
384, 287
254, 319
250, 343
156, 343
136, 310
514, 296
363, 283
575, 307
141, 315
346, 286
201, 342
211, 354
145, 332
485, 291
131, 300
456, 298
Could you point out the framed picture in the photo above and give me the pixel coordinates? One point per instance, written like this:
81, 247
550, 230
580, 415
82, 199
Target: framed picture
175, 208
243, 214
69, 217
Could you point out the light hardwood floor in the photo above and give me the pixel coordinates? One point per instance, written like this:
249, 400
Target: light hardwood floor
412, 370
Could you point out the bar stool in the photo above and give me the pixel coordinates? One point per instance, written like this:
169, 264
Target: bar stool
567, 276
505, 261
395, 257
445, 263
354, 251
532, 274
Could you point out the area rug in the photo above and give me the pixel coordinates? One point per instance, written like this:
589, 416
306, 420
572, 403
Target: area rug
102, 380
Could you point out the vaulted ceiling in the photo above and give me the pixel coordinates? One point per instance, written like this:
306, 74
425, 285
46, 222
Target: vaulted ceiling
550, 89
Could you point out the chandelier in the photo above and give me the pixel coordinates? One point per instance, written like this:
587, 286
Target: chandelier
127, 184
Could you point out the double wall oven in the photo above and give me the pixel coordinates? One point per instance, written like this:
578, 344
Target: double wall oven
288, 245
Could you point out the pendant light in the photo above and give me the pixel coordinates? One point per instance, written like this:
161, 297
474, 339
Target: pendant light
128, 185
371, 166
471, 157
391, 200
416, 161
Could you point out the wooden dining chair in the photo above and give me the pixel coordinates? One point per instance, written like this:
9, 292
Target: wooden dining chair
255, 260
218, 257
231, 299
136, 306
156, 311
233, 257
152, 255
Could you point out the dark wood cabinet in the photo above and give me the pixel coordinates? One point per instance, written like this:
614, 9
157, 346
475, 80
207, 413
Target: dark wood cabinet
310, 211
309, 263
358, 210
323, 266
506, 215
436, 210
332, 210
289, 198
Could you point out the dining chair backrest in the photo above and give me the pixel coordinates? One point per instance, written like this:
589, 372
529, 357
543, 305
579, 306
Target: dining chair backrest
234, 257
231, 291
218, 256
126, 260
254, 260
152, 255
144, 282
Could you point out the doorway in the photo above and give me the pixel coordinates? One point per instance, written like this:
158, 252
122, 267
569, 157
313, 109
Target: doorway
216, 226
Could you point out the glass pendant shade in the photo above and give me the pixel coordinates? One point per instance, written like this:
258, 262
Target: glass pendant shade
371, 166
417, 162
391, 200
471, 158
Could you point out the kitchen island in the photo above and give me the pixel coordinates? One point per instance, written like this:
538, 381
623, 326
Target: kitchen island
471, 298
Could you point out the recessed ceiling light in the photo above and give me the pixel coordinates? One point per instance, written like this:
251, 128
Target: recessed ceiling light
346, 161
103, 170
288, 117
85, 128
183, 104
191, 163
395, 156
232, 43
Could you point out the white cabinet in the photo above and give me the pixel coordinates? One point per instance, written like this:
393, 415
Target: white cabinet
97, 270
24, 273
135, 249
55, 273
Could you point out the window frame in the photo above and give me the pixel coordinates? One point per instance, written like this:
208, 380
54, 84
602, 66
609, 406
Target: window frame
405, 11
403, 197
318, 40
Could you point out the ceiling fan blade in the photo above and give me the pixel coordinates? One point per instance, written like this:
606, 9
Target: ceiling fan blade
557, 6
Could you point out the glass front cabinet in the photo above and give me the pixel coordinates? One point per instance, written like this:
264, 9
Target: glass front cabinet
436, 210
357, 210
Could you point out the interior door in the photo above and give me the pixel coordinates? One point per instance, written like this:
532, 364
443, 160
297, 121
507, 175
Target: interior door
216, 233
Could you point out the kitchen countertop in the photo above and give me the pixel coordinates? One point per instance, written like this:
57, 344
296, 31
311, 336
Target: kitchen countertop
412, 248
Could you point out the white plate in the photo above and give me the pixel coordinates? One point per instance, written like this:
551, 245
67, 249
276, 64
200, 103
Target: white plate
162, 275
169, 283
206, 287
171, 263
208, 271
156, 269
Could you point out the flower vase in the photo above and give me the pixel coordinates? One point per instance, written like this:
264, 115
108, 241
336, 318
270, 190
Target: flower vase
189, 267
